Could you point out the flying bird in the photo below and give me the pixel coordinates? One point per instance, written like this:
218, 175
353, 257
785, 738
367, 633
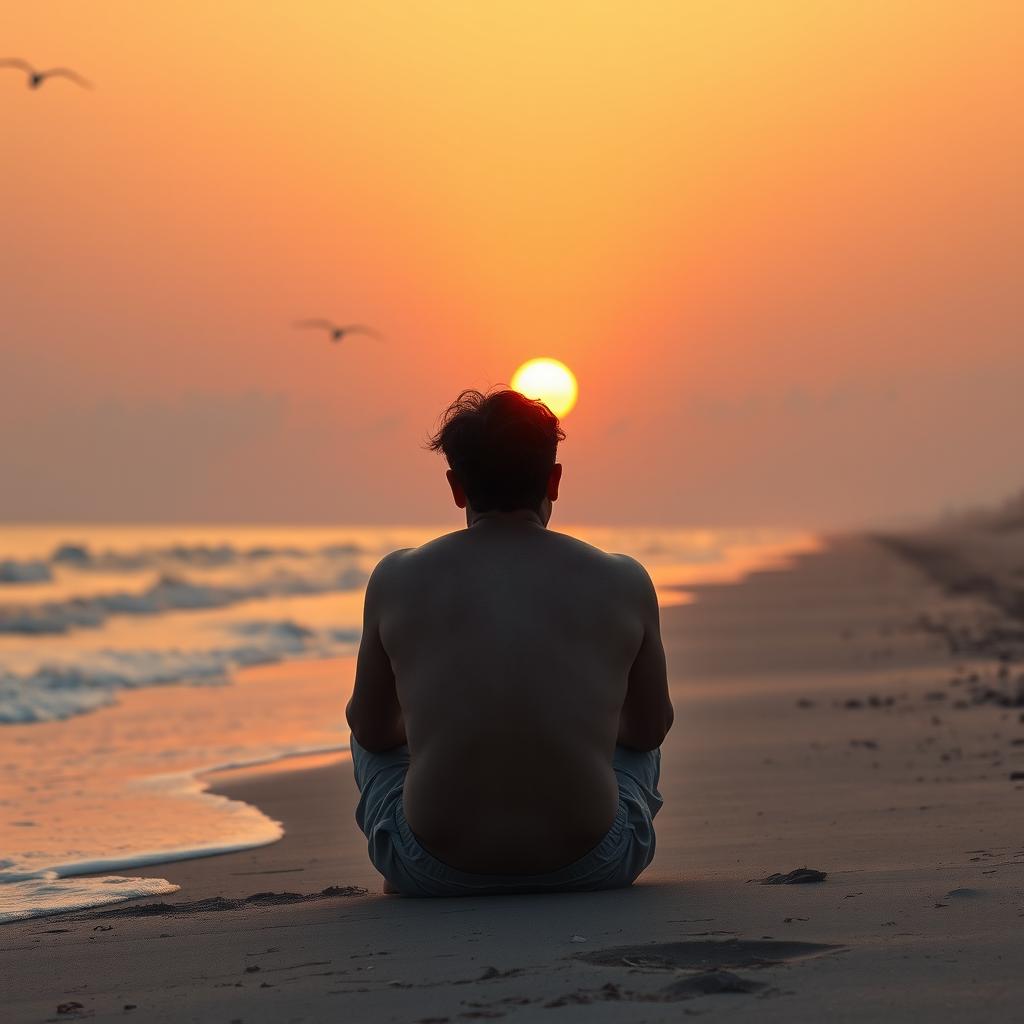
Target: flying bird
36, 78
338, 331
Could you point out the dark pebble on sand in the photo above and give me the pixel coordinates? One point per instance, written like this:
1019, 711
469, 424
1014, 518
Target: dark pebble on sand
252, 968
71, 1007
129, 1006
1017, 776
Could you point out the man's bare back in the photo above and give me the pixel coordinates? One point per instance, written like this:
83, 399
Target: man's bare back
512, 649
510, 694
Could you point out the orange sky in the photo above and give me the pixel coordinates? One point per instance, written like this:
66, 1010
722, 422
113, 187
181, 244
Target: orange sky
778, 243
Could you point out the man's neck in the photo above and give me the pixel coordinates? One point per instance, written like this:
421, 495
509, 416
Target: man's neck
518, 517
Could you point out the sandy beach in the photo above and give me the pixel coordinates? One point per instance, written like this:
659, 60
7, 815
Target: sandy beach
857, 713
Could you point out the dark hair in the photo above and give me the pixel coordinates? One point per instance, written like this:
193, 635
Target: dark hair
500, 446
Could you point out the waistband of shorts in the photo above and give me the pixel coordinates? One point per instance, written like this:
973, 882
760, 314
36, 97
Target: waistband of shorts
420, 861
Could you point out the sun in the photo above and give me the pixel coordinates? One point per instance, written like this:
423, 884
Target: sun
550, 381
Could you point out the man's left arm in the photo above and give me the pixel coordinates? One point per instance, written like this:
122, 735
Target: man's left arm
374, 714
646, 714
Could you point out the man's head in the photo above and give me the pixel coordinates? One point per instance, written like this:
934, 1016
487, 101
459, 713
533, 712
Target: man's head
500, 449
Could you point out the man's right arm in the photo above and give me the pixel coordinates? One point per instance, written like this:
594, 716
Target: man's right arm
374, 713
647, 714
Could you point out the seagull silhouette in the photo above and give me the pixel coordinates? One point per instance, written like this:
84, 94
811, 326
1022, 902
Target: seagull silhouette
36, 78
338, 331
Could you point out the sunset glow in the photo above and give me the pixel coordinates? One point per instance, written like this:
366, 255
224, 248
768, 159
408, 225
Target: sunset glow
549, 380
788, 233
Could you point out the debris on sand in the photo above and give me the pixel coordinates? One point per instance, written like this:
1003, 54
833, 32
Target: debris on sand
704, 954
798, 876
708, 983
219, 903
490, 973
713, 982
609, 992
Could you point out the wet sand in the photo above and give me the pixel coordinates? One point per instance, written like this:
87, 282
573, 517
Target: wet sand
854, 714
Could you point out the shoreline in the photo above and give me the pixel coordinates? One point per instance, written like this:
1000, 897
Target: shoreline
154, 806
205, 782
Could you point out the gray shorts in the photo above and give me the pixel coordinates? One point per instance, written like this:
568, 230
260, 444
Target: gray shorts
616, 861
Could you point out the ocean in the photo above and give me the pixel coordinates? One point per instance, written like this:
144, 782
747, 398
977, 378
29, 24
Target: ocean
136, 659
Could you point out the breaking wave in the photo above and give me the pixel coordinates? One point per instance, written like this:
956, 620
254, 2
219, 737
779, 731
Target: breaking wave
55, 691
84, 558
31, 571
168, 593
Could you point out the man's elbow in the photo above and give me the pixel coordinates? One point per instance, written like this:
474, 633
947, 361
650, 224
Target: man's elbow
670, 717
661, 727
648, 734
375, 736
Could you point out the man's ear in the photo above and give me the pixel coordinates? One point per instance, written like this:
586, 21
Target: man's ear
457, 492
554, 479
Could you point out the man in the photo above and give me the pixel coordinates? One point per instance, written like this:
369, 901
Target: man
510, 695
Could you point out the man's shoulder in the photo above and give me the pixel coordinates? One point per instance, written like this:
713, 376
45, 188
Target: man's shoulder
636, 577
623, 564
623, 568
623, 572
402, 561
386, 571
630, 566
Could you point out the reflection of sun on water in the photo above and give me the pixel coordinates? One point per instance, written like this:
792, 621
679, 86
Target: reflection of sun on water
550, 381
